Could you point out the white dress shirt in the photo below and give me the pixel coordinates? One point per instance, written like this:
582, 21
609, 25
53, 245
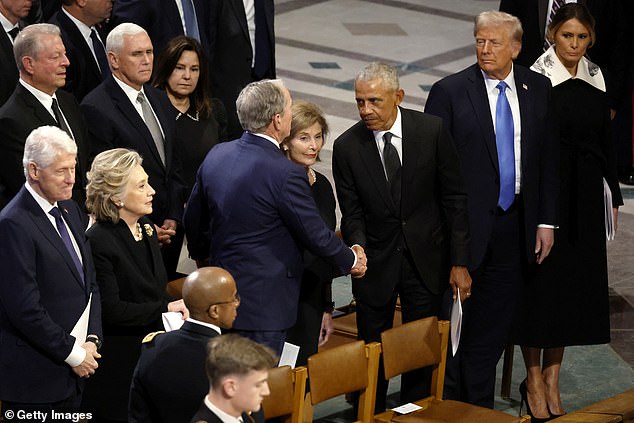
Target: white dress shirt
397, 138
132, 95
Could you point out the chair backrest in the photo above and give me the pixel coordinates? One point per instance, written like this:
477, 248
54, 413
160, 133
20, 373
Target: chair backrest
343, 369
415, 345
288, 388
175, 288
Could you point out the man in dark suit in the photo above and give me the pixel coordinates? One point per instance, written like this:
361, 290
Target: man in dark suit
165, 19
37, 101
11, 11
237, 369
500, 121
125, 112
84, 47
50, 313
408, 211
251, 212
235, 59
169, 378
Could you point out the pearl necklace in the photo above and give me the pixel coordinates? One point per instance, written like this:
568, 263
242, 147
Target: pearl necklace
138, 236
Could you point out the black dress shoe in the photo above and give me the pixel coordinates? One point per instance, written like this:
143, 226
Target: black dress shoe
524, 400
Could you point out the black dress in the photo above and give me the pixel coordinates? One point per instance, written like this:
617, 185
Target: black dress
132, 280
566, 297
316, 289
195, 136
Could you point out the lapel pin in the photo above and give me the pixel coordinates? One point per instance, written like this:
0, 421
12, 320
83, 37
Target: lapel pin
525, 87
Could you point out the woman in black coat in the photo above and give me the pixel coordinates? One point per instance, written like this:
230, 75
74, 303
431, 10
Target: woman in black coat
130, 274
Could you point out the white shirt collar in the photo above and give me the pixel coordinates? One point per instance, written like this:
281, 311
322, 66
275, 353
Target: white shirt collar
548, 64
41, 201
396, 130
271, 139
491, 84
209, 325
224, 417
130, 92
83, 28
42, 97
6, 24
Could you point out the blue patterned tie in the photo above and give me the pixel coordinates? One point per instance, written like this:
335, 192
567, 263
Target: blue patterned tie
504, 139
190, 19
61, 227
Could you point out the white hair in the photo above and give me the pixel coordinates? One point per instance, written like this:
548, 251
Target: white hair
115, 39
44, 144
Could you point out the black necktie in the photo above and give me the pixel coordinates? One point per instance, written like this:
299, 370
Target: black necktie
100, 53
14, 32
392, 165
262, 46
61, 227
61, 122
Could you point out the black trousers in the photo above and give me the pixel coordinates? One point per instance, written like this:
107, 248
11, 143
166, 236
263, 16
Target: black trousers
487, 316
417, 302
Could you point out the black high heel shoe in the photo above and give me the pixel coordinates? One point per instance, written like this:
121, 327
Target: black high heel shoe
524, 400
553, 415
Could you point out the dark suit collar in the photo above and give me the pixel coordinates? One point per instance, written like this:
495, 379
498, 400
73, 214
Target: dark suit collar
78, 40
38, 109
252, 138
480, 102
121, 231
45, 226
198, 329
238, 9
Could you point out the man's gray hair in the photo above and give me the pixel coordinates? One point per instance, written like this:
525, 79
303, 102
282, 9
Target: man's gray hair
258, 102
378, 70
497, 18
44, 144
115, 39
27, 43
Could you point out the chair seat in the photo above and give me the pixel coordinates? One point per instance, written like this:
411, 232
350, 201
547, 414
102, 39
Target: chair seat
456, 412
346, 324
578, 417
621, 405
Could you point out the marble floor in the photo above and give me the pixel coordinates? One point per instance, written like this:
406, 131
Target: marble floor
321, 44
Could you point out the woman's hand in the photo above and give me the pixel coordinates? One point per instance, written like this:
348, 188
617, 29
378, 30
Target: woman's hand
179, 306
327, 328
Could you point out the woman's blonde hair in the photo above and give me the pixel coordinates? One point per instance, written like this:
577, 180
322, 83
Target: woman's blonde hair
107, 179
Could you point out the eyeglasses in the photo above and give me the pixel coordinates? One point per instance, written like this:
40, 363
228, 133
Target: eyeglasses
235, 300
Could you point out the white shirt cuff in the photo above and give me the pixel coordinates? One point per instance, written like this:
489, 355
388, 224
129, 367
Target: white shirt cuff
355, 255
76, 356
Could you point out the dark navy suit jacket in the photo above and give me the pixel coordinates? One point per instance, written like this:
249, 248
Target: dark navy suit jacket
113, 122
41, 298
251, 212
462, 102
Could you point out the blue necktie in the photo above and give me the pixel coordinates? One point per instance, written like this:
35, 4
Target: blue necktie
504, 139
190, 19
100, 54
61, 227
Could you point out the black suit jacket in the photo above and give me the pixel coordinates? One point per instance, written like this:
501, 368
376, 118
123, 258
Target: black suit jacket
160, 18
205, 415
20, 115
231, 53
432, 222
609, 51
170, 377
8, 69
83, 74
114, 122
42, 299
461, 101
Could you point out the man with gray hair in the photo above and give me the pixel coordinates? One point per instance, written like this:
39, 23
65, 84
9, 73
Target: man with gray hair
252, 213
401, 197
125, 112
50, 312
499, 115
37, 101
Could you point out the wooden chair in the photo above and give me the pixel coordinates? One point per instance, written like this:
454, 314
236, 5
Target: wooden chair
577, 417
347, 368
621, 405
175, 288
288, 389
423, 343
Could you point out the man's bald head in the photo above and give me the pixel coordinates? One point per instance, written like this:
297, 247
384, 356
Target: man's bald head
211, 296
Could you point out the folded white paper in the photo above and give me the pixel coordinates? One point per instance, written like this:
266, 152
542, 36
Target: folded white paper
609, 216
407, 408
80, 330
172, 320
289, 355
456, 322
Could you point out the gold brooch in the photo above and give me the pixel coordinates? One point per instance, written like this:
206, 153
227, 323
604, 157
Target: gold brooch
149, 230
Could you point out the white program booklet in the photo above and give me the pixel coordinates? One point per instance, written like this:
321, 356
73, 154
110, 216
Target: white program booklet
456, 323
80, 331
172, 320
609, 216
289, 355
